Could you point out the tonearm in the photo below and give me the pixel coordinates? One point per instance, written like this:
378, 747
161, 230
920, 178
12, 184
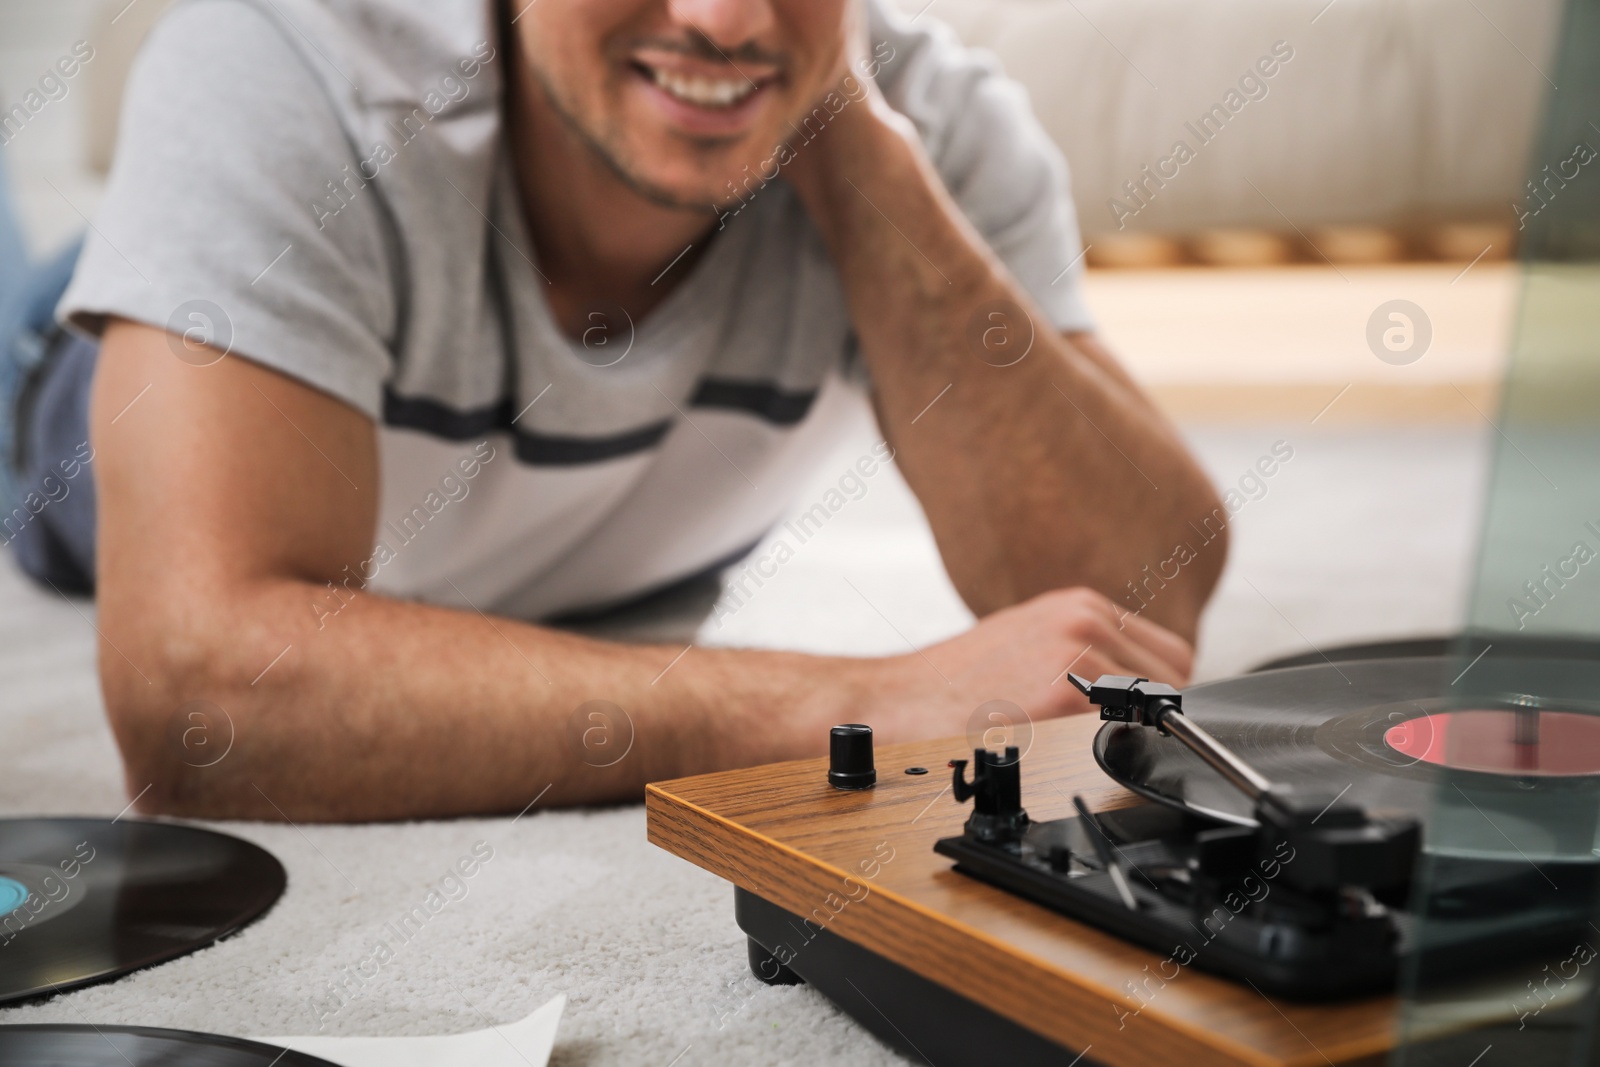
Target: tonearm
1337, 845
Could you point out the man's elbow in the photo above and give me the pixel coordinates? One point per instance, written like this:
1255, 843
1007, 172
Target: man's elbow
1200, 554
169, 715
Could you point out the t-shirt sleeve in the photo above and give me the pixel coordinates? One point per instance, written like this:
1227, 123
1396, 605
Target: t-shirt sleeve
235, 210
996, 159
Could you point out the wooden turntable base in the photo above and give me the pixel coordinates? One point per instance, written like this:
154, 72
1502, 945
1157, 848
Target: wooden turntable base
861, 865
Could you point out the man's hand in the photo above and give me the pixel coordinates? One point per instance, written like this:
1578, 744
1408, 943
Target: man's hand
865, 117
1022, 654
853, 50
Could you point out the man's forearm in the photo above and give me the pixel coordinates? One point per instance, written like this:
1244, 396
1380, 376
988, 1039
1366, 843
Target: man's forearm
400, 710
1053, 470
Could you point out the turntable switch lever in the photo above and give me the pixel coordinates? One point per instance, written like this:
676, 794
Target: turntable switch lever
996, 792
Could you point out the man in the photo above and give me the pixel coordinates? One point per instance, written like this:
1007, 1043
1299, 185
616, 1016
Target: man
420, 322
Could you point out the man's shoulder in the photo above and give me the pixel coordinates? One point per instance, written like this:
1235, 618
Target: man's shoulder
365, 54
924, 69
962, 103
976, 123
303, 104
993, 155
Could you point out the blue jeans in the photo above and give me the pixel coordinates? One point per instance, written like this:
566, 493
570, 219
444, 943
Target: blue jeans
47, 498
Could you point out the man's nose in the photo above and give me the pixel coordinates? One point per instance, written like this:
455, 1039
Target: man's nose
726, 23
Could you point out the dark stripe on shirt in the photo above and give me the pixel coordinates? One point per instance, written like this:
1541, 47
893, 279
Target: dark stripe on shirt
764, 401
440, 420
761, 400
550, 450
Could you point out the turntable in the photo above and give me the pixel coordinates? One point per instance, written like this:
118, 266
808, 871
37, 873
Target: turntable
1140, 888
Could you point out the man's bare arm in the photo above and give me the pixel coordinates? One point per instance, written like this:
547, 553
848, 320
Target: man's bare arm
1053, 471
231, 495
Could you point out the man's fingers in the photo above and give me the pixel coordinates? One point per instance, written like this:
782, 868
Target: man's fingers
1133, 656
1141, 647
1171, 648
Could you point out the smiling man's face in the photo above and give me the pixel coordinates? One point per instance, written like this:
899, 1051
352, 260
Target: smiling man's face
679, 96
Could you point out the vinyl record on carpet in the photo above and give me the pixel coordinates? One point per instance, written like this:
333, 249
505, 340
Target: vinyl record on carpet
1527, 747
85, 900
137, 1046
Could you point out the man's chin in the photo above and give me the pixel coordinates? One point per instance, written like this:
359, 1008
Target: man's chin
696, 175
697, 193
663, 190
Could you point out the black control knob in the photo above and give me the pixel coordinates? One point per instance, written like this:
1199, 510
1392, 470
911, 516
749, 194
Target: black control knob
850, 763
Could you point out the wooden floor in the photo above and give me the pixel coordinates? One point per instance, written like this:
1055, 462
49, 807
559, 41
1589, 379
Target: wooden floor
1289, 343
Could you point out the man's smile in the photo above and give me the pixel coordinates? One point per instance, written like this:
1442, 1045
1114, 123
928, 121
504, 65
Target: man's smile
703, 99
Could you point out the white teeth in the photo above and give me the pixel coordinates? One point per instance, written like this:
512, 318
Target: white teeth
701, 91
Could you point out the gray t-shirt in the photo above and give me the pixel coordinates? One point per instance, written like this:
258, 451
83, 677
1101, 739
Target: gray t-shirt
323, 188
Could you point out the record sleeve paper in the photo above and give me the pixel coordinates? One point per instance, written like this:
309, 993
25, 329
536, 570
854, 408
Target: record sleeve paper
523, 1044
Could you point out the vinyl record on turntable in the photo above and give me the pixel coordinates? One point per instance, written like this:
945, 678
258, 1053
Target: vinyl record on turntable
1379, 731
85, 900
137, 1046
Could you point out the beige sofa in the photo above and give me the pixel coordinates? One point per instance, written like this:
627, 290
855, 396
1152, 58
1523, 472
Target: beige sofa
1400, 113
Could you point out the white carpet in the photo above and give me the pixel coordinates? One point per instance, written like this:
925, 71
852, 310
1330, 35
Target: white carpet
1362, 534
